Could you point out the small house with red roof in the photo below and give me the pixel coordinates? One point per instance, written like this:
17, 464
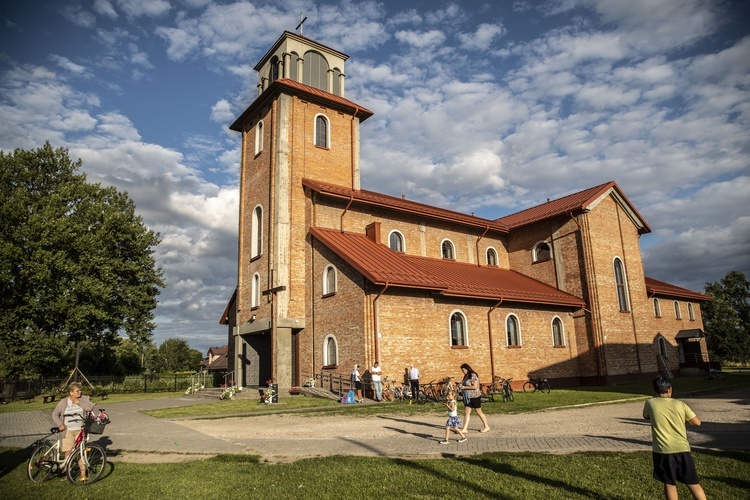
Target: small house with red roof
330, 274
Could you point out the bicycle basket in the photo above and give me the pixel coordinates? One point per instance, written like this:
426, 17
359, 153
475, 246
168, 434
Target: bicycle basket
94, 424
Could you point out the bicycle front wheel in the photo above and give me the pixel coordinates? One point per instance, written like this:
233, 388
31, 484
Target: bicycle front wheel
511, 397
544, 387
87, 464
40, 463
529, 387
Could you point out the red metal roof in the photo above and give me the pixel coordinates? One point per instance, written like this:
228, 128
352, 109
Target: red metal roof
402, 205
305, 90
571, 204
656, 287
382, 266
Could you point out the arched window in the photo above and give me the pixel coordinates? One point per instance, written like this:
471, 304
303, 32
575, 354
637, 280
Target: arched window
293, 61
336, 81
255, 297
329, 281
321, 131
315, 72
691, 313
558, 338
622, 290
259, 137
657, 308
273, 70
677, 312
491, 257
396, 241
330, 351
447, 249
458, 329
541, 252
662, 346
513, 330
256, 232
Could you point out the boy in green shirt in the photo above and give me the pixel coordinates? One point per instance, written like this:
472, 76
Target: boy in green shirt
672, 459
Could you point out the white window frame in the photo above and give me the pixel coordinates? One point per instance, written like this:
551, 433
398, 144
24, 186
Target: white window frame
255, 291
662, 344
259, 137
535, 250
677, 311
691, 311
452, 248
562, 332
487, 256
256, 232
657, 308
328, 131
326, 291
401, 237
518, 333
465, 324
621, 289
326, 361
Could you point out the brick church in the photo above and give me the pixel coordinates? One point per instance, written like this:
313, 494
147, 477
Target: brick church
330, 274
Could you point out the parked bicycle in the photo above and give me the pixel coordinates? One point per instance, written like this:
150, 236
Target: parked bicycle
507, 390
537, 384
85, 462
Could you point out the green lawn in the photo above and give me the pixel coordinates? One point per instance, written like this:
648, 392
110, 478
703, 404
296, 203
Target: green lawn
492, 475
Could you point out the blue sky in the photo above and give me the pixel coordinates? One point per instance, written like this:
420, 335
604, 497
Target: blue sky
486, 107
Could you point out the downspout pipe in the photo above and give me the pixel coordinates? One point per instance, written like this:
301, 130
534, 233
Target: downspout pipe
351, 131
487, 228
351, 199
489, 330
376, 320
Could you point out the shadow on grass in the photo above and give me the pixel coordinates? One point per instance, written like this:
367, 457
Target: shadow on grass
10, 459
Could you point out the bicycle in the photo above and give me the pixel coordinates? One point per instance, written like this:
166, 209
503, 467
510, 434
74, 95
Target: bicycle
85, 462
507, 390
537, 384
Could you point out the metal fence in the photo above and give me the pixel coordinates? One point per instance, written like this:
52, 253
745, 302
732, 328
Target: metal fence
13, 389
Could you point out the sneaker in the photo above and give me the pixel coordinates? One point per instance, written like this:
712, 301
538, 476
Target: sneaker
462, 440
445, 442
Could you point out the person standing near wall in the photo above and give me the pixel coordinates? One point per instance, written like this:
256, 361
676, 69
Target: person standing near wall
357, 383
377, 385
414, 382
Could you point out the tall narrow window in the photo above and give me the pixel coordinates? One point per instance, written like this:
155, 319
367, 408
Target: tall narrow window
336, 81
458, 329
657, 308
321, 131
396, 241
259, 138
330, 351
557, 332
491, 257
329, 281
691, 313
447, 250
256, 232
255, 292
622, 290
677, 312
662, 347
315, 71
513, 331
273, 70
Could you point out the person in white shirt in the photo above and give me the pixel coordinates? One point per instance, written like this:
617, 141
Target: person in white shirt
357, 383
414, 381
377, 385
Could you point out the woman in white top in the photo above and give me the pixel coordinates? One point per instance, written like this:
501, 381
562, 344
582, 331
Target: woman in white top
357, 383
375, 372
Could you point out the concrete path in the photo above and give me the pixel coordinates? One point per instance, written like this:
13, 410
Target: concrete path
287, 437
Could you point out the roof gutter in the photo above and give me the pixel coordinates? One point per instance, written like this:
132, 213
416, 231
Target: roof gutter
486, 229
351, 199
351, 132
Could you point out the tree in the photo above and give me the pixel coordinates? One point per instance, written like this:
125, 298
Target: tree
177, 356
76, 262
727, 318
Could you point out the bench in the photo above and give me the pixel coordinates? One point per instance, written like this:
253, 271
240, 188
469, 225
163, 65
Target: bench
49, 398
28, 398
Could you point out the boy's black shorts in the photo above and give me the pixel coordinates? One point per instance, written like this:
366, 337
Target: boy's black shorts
672, 467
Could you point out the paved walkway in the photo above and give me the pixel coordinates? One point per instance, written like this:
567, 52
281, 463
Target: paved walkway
611, 427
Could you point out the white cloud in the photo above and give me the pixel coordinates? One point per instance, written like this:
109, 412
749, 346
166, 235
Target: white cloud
104, 8
148, 8
420, 39
221, 112
482, 38
70, 66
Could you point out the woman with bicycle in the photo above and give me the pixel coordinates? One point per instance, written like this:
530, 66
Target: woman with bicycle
67, 415
472, 395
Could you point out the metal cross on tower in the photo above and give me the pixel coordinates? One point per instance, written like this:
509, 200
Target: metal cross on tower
301, 22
